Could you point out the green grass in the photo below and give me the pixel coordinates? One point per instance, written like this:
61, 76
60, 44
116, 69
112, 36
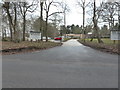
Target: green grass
107, 46
66, 39
105, 40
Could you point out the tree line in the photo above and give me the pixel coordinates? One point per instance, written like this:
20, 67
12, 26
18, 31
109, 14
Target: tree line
15, 18
18, 18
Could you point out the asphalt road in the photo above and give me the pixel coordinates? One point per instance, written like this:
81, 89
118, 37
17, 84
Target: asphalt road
69, 66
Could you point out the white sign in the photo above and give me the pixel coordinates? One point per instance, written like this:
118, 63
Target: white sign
115, 35
35, 36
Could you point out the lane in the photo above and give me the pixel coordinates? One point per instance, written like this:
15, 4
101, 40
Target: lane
71, 65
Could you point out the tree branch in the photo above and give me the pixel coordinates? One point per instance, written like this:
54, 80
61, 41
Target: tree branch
54, 13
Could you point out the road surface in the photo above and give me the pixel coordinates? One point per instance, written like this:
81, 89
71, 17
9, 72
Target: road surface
71, 65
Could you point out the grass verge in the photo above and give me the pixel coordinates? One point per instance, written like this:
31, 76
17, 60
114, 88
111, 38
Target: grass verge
107, 46
66, 39
12, 48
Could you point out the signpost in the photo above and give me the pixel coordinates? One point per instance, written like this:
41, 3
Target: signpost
34, 36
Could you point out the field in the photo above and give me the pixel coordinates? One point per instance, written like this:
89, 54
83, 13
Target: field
105, 40
107, 46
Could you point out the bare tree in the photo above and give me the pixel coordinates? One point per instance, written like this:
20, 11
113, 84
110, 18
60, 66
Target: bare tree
95, 21
6, 6
65, 10
24, 8
12, 20
41, 18
83, 5
48, 4
15, 20
56, 20
109, 11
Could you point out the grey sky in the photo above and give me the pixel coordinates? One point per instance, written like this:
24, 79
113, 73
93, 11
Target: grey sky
76, 16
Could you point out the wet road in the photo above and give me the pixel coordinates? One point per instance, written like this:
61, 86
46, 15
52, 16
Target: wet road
69, 66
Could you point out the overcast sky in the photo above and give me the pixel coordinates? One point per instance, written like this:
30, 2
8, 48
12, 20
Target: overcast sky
75, 15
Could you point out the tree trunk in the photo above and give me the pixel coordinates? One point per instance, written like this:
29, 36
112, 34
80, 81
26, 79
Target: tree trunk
46, 33
91, 39
24, 25
15, 24
3, 33
24, 21
41, 21
98, 36
84, 20
11, 33
95, 24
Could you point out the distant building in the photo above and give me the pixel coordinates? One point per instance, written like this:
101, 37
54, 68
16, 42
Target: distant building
34, 35
89, 35
75, 35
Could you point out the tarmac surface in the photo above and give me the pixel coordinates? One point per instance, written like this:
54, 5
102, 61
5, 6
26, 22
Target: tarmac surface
71, 65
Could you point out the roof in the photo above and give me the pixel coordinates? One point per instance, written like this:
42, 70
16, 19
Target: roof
89, 33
